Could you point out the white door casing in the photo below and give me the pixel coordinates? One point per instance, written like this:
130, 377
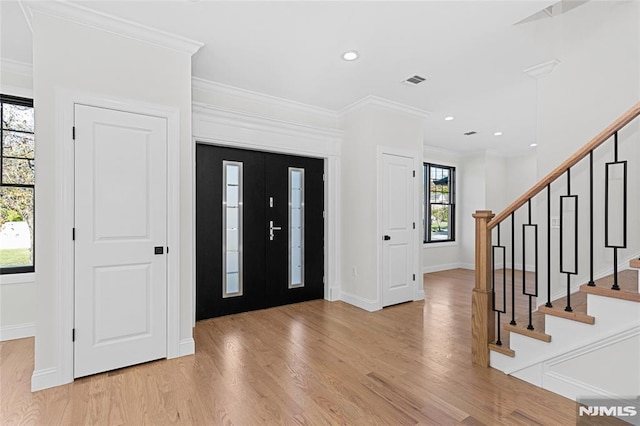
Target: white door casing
120, 218
398, 229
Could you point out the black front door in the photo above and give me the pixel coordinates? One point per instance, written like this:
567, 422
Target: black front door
259, 230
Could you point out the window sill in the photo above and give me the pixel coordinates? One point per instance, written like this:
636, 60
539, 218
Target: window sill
27, 277
438, 245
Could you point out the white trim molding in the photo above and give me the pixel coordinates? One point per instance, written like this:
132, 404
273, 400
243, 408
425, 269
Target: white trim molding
368, 305
92, 18
16, 67
249, 95
220, 126
17, 331
372, 100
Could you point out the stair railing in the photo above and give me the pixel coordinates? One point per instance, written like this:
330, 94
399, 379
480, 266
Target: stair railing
489, 299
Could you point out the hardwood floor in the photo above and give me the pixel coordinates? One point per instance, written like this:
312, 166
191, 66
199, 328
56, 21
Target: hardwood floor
310, 363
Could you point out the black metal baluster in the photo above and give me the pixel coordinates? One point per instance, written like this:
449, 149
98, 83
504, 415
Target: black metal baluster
513, 269
591, 283
549, 304
524, 264
564, 269
607, 244
493, 284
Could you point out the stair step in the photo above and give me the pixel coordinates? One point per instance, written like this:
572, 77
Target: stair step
522, 329
574, 316
606, 291
635, 263
502, 349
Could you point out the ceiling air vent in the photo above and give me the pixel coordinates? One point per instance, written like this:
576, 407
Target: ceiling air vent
470, 133
414, 80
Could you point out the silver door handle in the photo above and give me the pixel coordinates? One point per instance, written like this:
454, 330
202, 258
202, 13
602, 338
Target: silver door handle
273, 228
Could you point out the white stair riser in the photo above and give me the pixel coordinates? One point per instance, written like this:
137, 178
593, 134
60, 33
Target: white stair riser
610, 312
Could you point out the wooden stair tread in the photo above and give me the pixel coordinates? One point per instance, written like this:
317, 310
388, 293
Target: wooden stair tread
627, 281
573, 315
635, 263
503, 349
537, 321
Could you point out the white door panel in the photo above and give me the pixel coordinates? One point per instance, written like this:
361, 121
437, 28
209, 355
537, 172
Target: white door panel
120, 217
398, 228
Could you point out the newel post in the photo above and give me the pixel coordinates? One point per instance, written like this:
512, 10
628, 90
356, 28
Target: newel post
482, 316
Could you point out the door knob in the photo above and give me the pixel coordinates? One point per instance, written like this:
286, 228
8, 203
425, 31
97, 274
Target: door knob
273, 228
386, 238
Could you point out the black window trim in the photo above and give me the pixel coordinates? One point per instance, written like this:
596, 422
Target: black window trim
427, 203
17, 100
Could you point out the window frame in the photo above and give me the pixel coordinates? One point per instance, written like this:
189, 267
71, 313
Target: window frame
26, 102
426, 173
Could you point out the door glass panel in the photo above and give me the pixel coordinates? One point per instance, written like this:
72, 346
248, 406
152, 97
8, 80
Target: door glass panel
232, 229
296, 227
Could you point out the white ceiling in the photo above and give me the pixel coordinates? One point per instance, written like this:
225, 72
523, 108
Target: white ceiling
471, 52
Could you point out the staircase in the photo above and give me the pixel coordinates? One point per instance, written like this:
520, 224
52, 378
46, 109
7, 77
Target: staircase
564, 348
585, 343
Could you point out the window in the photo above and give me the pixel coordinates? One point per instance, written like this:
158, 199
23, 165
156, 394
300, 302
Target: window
17, 185
440, 204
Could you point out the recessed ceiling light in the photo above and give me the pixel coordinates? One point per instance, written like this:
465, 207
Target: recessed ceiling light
533, 144
449, 118
497, 134
350, 55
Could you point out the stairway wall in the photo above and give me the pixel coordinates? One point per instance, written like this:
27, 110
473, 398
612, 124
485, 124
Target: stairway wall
597, 80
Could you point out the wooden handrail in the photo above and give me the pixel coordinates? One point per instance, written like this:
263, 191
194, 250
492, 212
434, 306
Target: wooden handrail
570, 162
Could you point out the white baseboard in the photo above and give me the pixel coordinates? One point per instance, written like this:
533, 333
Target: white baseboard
187, 347
360, 302
570, 387
334, 294
420, 295
45, 379
438, 268
17, 331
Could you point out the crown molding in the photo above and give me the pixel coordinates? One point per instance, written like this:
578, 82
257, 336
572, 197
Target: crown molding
372, 100
430, 149
16, 67
102, 21
543, 69
213, 86
258, 122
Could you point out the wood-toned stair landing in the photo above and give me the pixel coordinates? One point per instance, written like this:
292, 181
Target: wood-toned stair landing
627, 281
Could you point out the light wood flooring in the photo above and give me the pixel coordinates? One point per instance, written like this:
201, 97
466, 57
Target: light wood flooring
312, 363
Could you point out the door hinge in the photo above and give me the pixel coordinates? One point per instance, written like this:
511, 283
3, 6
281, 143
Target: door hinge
323, 214
73, 234
73, 335
73, 132
414, 225
414, 173
167, 249
323, 177
414, 277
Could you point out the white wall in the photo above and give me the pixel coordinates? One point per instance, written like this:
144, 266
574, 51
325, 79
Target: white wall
598, 48
79, 58
366, 128
17, 291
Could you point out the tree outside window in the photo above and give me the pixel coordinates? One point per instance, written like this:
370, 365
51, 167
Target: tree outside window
439, 211
17, 185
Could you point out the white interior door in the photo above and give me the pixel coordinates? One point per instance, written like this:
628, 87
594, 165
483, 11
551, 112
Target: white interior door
120, 239
398, 229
